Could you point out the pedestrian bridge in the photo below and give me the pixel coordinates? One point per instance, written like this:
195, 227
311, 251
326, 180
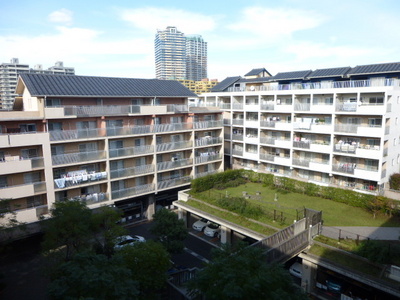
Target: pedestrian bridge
279, 247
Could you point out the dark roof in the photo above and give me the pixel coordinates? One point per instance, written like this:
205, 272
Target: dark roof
255, 72
224, 84
332, 72
376, 68
292, 75
72, 85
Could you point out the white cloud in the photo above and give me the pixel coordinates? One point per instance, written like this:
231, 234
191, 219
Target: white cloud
61, 16
151, 18
276, 23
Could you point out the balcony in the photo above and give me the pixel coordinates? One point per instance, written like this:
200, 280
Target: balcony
165, 165
301, 162
207, 158
301, 144
77, 178
302, 106
267, 106
140, 150
345, 148
173, 146
239, 122
346, 106
375, 131
91, 198
268, 140
172, 127
133, 191
23, 190
237, 137
238, 106
224, 105
16, 164
207, 124
134, 171
169, 183
268, 157
62, 135
208, 141
77, 157
270, 124
238, 152
347, 168
202, 174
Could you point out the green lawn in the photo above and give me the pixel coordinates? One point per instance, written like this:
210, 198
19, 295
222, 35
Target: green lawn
333, 213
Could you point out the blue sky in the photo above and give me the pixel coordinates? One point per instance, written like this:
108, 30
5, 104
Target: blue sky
116, 38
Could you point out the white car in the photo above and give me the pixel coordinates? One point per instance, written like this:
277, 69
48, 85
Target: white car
212, 230
200, 224
296, 269
127, 240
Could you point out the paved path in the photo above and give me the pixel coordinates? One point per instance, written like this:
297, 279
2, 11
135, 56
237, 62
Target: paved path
374, 233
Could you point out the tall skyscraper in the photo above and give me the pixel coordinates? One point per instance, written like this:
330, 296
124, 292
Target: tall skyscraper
179, 57
9, 73
196, 58
170, 53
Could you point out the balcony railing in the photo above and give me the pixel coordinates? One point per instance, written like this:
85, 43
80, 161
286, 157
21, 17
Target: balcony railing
202, 174
322, 85
133, 191
266, 156
237, 121
237, 106
91, 198
267, 140
99, 110
174, 164
140, 150
267, 106
267, 124
345, 148
352, 106
208, 141
207, 124
302, 106
138, 170
237, 152
77, 157
83, 178
344, 168
36, 162
301, 144
237, 137
301, 162
207, 158
173, 146
163, 184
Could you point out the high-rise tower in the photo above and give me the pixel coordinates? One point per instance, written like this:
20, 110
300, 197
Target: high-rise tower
170, 54
196, 58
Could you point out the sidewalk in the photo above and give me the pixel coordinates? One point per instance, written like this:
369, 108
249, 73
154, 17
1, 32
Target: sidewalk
361, 232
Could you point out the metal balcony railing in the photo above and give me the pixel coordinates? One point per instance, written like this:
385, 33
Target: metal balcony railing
173, 146
208, 141
174, 164
134, 171
146, 149
133, 191
77, 157
167, 183
207, 158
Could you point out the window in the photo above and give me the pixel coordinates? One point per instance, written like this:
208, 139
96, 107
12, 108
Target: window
58, 173
27, 127
53, 102
53, 126
375, 122
90, 168
116, 164
87, 147
29, 153
140, 181
177, 119
32, 177
117, 185
86, 125
157, 120
139, 142
114, 123
137, 101
176, 138
57, 150
116, 144
141, 161
3, 181
34, 201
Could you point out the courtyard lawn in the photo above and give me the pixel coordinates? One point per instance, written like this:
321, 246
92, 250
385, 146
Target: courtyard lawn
333, 213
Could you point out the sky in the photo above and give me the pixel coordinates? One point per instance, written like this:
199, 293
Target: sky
116, 38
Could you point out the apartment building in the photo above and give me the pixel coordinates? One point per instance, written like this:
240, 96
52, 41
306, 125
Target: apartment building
334, 127
9, 73
198, 87
132, 143
196, 57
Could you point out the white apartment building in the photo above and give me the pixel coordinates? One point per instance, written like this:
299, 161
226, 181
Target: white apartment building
9, 73
132, 143
335, 127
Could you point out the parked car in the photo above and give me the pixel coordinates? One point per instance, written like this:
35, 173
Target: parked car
296, 269
128, 240
212, 230
200, 224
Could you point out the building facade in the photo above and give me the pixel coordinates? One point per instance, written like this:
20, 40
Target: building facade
170, 54
9, 73
335, 127
126, 142
196, 58
198, 87
180, 57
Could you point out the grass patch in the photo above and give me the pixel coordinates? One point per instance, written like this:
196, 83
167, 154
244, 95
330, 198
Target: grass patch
232, 218
346, 260
333, 213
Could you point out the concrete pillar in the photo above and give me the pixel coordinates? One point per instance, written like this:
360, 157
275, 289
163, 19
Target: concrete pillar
151, 207
309, 274
184, 215
226, 235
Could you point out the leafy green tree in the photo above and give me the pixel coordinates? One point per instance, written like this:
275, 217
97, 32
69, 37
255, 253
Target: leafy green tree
93, 276
242, 273
105, 227
170, 230
149, 263
8, 220
69, 227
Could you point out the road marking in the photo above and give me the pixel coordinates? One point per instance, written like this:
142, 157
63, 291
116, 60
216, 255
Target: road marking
196, 255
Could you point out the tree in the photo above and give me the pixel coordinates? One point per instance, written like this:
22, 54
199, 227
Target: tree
8, 220
243, 273
149, 263
170, 230
105, 226
93, 276
70, 227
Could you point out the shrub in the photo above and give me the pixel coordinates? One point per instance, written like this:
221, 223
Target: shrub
394, 181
